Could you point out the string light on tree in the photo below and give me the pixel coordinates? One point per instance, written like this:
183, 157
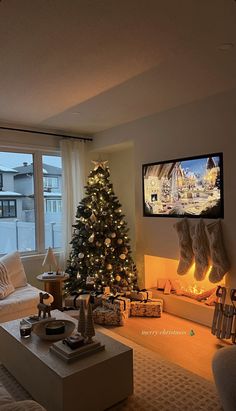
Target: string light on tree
100, 249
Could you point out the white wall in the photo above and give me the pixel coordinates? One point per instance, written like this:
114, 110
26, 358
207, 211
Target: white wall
201, 127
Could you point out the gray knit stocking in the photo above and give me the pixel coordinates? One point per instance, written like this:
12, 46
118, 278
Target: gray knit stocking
220, 262
185, 244
200, 249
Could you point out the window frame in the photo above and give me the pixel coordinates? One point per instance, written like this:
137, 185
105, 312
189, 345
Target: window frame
37, 154
1, 181
2, 206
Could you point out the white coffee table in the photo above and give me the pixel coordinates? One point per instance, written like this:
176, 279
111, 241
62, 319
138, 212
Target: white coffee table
90, 384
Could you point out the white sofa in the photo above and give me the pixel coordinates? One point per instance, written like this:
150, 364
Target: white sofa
17, 298
7, 403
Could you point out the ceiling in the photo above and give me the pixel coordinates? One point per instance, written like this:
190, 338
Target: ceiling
82, 66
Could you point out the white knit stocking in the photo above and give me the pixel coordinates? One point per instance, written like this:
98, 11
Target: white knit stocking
220, 262
200, 249
185, 244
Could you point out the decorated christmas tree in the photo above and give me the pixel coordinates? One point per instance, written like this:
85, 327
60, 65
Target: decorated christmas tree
101, 254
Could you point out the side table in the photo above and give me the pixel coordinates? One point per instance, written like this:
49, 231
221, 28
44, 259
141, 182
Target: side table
54, 286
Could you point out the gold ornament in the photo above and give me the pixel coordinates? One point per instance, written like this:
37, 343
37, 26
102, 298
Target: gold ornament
107, 241
118, 278
122, 256
109, 266
113, 235
93, 218
119, 241
91, 238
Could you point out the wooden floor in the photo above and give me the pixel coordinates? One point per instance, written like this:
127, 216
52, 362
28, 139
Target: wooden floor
183, 342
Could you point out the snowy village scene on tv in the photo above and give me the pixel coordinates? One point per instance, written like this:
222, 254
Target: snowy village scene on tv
183, 188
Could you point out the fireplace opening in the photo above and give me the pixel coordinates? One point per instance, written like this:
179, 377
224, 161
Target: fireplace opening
182, 295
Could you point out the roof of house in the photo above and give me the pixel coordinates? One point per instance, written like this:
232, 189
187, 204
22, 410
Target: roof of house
47, 169
48, 194
10, 194
7, 169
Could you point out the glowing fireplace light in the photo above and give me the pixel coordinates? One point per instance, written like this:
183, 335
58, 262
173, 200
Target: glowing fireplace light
194, 289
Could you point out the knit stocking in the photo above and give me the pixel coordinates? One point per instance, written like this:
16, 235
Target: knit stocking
185, 244
200, 249
220, 262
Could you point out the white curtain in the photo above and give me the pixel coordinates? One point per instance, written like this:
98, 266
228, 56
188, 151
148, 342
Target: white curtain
73, 154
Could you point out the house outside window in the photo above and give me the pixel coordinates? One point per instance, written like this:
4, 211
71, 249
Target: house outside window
21, 228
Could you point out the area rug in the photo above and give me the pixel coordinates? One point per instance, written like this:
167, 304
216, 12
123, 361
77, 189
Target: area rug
159, 385
164, 386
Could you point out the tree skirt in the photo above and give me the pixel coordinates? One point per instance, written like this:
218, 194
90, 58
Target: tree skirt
158, 384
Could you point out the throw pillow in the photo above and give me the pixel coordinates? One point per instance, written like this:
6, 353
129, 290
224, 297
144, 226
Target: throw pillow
15, 269
6, 286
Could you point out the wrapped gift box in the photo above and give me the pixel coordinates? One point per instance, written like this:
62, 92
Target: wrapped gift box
75, 300
117, 304
151, 308
102, 315
140, 295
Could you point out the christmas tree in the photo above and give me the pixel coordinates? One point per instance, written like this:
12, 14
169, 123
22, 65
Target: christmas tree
101, 254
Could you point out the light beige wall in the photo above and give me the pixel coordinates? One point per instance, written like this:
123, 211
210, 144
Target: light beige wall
199, 128
123, 179
24, 141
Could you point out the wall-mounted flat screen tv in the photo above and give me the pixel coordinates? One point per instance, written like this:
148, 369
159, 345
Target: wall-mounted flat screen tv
186, 187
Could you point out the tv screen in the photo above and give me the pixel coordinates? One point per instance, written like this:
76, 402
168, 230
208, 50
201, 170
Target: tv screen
187, 187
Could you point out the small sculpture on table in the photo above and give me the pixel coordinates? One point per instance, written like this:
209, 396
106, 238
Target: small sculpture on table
82, 320
50, 262
44, 305
89, 328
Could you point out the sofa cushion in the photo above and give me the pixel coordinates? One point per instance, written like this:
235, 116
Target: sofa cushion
21, 303
15, 269
6, 287
5, 397
26, 405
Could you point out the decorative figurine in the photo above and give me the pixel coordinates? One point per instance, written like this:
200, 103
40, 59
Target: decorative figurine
44, 305
89, 328
81, 320
50, 261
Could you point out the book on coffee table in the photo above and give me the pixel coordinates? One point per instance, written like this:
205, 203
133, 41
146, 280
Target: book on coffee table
52, 275
67, 354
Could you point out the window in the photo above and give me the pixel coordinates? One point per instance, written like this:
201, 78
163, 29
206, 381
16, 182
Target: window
7, 208
53, 206
51, 169
50, 182
17, 203
31, 180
